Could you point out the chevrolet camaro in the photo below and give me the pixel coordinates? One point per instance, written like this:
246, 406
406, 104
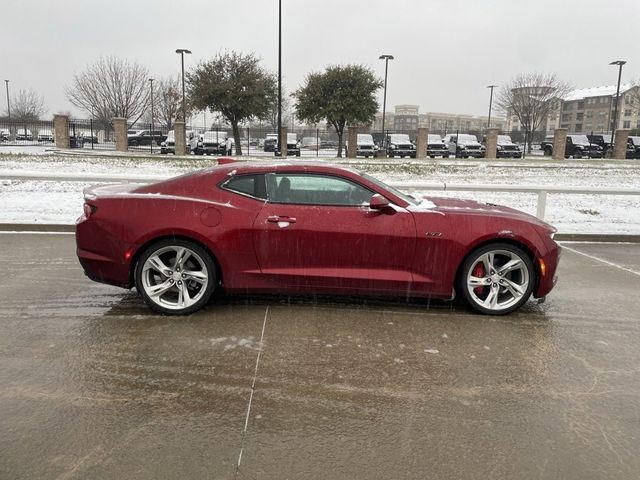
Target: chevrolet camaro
299, 228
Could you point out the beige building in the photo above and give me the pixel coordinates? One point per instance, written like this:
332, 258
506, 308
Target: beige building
587, 110
409, 118
591, 109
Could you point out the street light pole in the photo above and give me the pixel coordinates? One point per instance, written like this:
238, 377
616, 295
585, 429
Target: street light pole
620, 63
490, 104
8, 104
386, 59
182, 51
152, 129
279, 149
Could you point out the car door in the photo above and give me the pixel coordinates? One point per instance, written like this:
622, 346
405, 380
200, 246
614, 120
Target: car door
316, 232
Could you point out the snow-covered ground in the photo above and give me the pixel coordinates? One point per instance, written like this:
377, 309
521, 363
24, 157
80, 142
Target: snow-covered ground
61, 202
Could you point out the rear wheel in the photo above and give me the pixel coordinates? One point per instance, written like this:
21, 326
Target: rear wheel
175, 277
497, 279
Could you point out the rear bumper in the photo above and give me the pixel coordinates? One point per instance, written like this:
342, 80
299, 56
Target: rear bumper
102, 257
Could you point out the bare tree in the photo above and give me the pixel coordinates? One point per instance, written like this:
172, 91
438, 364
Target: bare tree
109, 88
167, 103
27, 106
531, 97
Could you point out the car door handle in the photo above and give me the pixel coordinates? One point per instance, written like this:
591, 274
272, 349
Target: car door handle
278, 218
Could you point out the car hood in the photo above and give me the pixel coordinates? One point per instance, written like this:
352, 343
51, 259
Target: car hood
454, 206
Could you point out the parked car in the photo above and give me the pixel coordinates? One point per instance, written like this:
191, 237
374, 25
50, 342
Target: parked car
87, 138
399, 144
286, 227
45, 136
293, 146
169, 145
211, 142
4, 134
436, 146
577, 146
270, 142
365, 146
634, 144
310, 143
144, 137
603, 140
505, 148
463, 145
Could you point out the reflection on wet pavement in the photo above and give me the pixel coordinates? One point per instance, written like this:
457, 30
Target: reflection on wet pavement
93, 385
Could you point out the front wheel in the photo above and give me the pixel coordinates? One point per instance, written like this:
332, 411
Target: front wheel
175, 277
497, 279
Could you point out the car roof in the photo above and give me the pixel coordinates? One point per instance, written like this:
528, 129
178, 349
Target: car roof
262, 166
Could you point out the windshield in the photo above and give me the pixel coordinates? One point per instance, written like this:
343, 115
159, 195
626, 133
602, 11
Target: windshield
217, 135
467, 139
381, 184
399, 138
292, 137
580, 140
635, 140
365, 138
434, 138
504, 139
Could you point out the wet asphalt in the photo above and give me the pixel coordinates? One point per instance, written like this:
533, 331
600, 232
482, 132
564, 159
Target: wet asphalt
93, 385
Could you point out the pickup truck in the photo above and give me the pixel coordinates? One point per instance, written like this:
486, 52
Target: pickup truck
399, 144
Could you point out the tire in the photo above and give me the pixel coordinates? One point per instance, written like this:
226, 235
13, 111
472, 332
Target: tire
503, 291
432, 156
134, 143
164, 288
548, 152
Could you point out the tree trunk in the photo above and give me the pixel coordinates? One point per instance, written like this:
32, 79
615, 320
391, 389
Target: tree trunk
236, 138
339, 143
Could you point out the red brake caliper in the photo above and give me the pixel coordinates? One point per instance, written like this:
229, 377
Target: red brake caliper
478, 271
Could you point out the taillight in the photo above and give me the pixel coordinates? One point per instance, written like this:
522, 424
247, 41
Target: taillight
89, 209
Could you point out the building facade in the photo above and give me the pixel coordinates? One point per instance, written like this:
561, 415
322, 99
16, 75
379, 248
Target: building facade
588, 110
409, 118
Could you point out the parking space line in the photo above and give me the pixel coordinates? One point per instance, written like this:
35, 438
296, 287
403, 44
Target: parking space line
606, 262
253, 387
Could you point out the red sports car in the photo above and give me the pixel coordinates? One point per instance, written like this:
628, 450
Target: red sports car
308, 228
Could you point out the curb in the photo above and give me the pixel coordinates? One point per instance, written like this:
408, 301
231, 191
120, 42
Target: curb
561, 237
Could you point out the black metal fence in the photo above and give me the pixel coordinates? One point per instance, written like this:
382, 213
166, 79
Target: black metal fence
26, 133
259, 140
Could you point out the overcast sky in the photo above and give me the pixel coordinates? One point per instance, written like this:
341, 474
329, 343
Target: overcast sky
446, 51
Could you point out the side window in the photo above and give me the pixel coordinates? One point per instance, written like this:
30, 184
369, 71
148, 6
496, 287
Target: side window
309, 189
252, 185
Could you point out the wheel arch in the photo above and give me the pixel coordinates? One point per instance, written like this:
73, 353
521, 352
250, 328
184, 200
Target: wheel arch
516, 242
177, 236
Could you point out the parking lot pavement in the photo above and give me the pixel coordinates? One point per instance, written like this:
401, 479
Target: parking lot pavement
93, 385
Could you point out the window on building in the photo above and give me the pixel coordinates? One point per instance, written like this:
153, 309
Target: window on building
580, 105
578, 127
579, 116
627, 113
600, 128
626, 124
566, 117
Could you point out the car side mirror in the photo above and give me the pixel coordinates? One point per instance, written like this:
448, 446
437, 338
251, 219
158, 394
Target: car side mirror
380, 204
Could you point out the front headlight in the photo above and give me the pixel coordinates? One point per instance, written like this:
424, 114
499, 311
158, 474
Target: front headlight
199, 144
393, 145
461, 147
498, 147
163, 144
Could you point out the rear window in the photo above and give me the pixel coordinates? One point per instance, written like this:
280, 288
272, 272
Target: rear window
252, 185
